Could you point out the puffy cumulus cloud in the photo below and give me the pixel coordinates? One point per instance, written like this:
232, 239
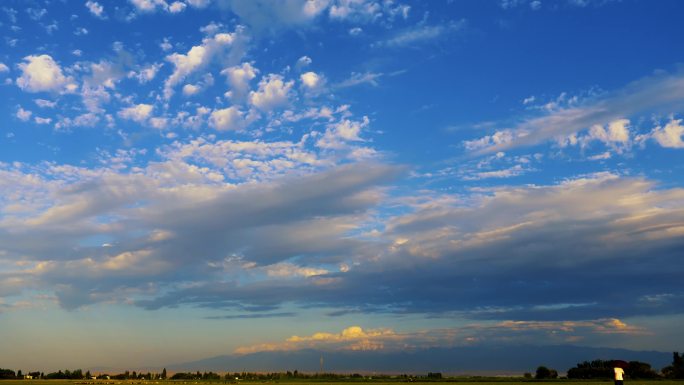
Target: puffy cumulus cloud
303, 62
200, 56
616, 132
137, 113
231, 118
273, 92
351, 338
146, 74
656, 93
40, 120
312, 82
23, 115
338, 135
95, 8
3, 68
254, 160
42, 103
615, 135
310, 79
191, 89
238, 78
177, 6
671, 135
42, 74
89, 119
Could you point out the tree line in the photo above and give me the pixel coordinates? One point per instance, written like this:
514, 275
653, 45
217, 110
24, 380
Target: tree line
78, 374
596, 369
603, 369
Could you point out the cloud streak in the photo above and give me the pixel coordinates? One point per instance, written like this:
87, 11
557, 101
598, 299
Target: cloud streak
662, 93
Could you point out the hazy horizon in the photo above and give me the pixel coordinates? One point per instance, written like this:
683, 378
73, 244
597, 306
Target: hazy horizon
185, 179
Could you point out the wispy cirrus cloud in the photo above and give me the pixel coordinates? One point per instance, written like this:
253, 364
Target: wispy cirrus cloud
422, 33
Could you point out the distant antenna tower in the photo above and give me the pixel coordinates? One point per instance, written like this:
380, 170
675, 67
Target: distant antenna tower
321, 364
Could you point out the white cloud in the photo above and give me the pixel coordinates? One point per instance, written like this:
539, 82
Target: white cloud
269, 15
40, 120
273, 92
285, 270
311, 79
138, 113
177, 7
45, 103
312, 83
23, 115
356, 338
662, 91
617, 132
41, 73
166, 45
358, 10
198, 3
303, 62
196, 58
424, 33
88, 119
230, 118
191, 89
671, 135
147, 73
3, 68
360, 78
615, 135
338, 134
356, 31
36, 13
159, 123
239, 77
95, 8
149, 5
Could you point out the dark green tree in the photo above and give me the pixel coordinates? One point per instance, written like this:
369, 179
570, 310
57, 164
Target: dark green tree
590, 370
163, 375
637, 369
7, 374
544, 373
676, 370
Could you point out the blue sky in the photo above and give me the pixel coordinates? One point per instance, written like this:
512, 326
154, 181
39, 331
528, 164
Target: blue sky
200, 177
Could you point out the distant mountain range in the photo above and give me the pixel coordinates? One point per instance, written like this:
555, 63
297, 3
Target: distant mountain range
458, 360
